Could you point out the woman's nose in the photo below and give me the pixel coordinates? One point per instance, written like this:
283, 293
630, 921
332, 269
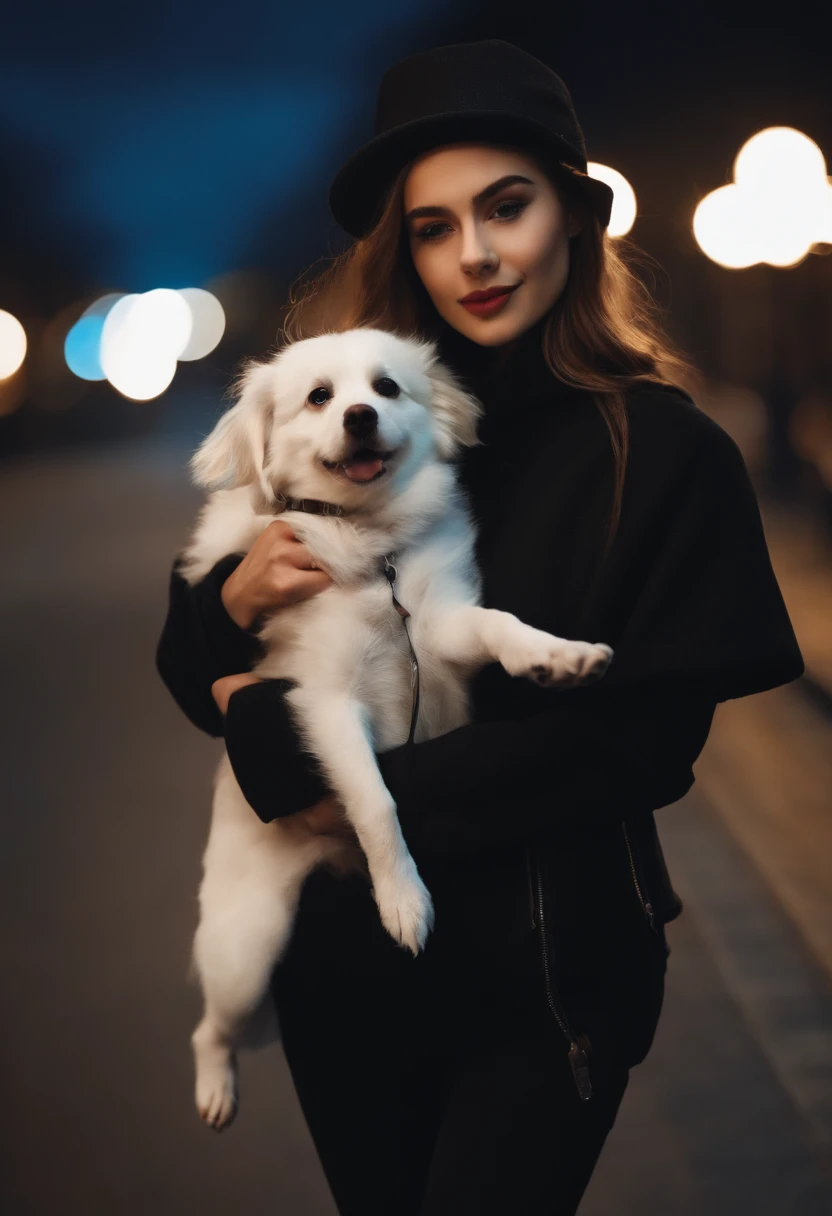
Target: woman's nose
476, 255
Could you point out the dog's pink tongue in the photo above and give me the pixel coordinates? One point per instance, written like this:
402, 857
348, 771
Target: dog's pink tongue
363, 470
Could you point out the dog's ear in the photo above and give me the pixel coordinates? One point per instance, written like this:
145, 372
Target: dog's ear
234, 453
456, 412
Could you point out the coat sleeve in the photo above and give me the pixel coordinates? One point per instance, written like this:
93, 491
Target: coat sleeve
691, 581
200, 643
489, 782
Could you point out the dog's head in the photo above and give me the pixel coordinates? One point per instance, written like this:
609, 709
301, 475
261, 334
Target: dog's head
339, 417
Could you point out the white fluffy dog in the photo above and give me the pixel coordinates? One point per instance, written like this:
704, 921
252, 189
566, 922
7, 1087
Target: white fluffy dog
367, 421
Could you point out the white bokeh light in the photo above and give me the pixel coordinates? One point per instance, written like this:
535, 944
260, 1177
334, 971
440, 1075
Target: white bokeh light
773, 156
208, 323
826, 221
778, 206
624, 206
162, 319
12, 344
721, 230
141, 341
135, 341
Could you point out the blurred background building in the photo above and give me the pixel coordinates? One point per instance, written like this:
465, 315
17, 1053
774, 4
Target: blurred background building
165, 170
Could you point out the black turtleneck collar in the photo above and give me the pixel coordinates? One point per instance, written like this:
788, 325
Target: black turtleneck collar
515, 376
519, 394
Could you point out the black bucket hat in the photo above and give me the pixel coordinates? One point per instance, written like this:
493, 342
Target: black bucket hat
491, 91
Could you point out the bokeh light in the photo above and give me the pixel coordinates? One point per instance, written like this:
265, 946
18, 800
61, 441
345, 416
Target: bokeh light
208, 323
624, 206
779, 205
778, 153
82, 347
721, 230
135, 341
825, 236
142, 337
12, 344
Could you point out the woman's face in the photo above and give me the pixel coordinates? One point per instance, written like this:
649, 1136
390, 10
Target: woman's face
471, 233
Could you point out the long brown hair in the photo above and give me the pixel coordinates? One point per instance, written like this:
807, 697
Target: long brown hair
603, 333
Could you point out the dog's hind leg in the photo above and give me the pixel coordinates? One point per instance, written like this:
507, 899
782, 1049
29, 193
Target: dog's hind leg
241, 935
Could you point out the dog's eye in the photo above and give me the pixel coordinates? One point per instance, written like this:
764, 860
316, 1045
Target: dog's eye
318, 396
385, 387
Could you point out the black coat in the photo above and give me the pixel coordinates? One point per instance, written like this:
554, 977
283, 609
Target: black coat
544, 803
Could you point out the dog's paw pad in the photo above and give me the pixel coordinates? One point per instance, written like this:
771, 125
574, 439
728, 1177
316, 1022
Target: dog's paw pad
218, 1110
550, 661
406, 910
216, 1082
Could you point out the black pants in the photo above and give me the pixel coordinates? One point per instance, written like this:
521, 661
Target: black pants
434, 1090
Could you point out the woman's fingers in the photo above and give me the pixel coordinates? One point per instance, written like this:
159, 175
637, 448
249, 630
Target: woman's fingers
302, 584
288, 548
222, 689
300, 557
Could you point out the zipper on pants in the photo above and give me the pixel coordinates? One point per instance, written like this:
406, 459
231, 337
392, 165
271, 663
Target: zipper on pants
641, 890
577, 1053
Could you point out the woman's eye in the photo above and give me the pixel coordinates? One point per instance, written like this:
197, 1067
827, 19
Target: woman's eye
429, 232
318, 396
385, 387
514, 213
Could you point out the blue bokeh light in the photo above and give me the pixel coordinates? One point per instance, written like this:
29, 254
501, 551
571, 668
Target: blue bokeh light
82, 347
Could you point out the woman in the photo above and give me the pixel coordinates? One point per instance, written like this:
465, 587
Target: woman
484, 1075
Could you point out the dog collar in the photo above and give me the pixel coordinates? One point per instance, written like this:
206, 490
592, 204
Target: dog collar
314, 506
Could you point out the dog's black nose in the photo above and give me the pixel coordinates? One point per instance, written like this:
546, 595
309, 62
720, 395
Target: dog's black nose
360, 420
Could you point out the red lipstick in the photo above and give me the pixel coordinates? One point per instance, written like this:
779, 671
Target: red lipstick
485, 303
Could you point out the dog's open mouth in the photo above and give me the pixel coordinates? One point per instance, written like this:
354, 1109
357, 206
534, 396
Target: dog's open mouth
362, 466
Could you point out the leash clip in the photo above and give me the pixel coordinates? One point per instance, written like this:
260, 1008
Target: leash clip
391, 574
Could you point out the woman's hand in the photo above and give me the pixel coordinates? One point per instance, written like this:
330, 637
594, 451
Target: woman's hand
222, 689
326, 818
278, 570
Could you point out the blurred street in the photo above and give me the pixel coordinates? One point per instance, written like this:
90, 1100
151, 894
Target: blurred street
106, 810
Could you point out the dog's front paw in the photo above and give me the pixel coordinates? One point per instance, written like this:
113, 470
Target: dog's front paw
551, 661
405, 906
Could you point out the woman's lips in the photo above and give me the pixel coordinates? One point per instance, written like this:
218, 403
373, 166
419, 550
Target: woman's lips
485, 308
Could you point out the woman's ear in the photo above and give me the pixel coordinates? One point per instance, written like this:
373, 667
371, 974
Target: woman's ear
456, 412
234, 453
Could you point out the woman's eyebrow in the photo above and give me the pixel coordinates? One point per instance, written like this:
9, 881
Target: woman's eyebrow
510, 179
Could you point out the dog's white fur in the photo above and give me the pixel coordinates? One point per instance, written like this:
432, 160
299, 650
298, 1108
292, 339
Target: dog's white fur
346, 647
